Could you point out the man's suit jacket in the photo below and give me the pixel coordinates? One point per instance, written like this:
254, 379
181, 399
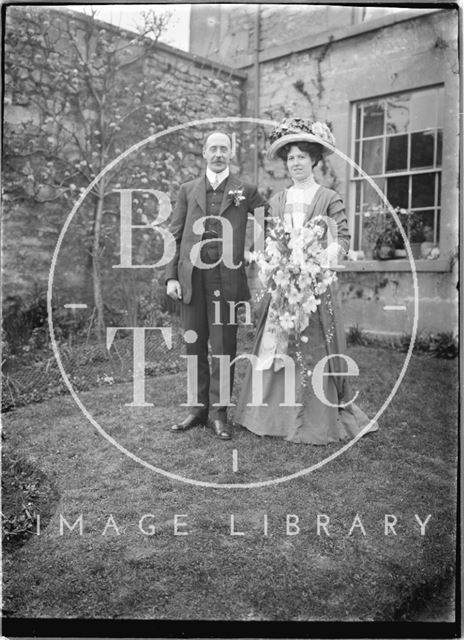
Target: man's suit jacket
190, 206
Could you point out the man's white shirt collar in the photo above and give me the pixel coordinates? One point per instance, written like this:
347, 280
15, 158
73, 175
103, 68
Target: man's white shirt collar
211, 175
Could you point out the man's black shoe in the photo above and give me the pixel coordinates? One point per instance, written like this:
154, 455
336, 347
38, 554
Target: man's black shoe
190, 421
221, 429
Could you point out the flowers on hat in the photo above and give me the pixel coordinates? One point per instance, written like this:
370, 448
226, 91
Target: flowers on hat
302, 125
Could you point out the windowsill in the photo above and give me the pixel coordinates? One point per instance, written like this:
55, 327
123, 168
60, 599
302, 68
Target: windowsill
441, 265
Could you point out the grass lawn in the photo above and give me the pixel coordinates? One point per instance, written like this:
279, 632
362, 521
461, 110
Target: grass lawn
408, 467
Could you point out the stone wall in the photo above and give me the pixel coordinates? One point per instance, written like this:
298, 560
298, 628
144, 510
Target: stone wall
382, 302
228, 33
34, 211
222, 33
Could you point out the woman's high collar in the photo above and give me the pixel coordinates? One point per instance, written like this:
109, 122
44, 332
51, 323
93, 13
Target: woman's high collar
304, 184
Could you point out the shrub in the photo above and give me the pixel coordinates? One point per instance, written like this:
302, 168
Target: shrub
444, 345
440, 345
21, 315
25, 322
26, 493
421, 344
356, 335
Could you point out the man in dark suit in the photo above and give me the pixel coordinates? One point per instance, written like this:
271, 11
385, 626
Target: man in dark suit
208, 272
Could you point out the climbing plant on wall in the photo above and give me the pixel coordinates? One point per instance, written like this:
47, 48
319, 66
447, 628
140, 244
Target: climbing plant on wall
79, 92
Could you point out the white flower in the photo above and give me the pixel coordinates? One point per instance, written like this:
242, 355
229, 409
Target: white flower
293, 296
287, 322
310, 305
237, 195
281, 278
291, 271
322, 130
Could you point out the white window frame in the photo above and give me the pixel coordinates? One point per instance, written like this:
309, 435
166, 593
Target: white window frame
356, 219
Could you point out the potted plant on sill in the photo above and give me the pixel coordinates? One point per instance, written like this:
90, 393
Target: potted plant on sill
374, 225
383, 240
380, 234
413, 225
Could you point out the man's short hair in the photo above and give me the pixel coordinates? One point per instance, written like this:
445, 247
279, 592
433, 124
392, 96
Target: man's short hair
211, 133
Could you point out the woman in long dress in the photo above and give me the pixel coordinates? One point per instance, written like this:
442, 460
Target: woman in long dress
323, 410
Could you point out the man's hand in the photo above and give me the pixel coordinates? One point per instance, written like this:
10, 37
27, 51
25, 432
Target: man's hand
173, 289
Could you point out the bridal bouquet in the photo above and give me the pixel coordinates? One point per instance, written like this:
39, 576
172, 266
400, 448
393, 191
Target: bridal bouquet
293, 274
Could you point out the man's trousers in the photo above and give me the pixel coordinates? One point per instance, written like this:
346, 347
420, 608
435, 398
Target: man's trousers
214, 321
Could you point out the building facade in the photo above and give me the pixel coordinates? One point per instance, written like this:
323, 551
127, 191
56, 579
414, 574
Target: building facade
387, 81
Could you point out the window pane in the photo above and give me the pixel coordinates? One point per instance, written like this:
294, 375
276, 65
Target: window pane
372, 156
370, 196
428, 220
424, 110
423, 190
397, 191
439, 147
357, 159
357, 222
438, 189
423, 226
397, 153
358, 121
398, 114
357, 205
373, 119
422, 149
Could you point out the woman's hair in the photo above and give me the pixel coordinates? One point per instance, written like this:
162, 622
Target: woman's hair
312, 148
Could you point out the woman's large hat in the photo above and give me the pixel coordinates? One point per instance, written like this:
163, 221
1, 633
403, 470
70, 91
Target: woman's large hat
292, 130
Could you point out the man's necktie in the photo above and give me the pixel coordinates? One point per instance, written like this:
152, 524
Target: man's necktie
216, 182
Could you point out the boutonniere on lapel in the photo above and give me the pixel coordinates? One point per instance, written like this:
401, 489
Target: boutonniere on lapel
237, 195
